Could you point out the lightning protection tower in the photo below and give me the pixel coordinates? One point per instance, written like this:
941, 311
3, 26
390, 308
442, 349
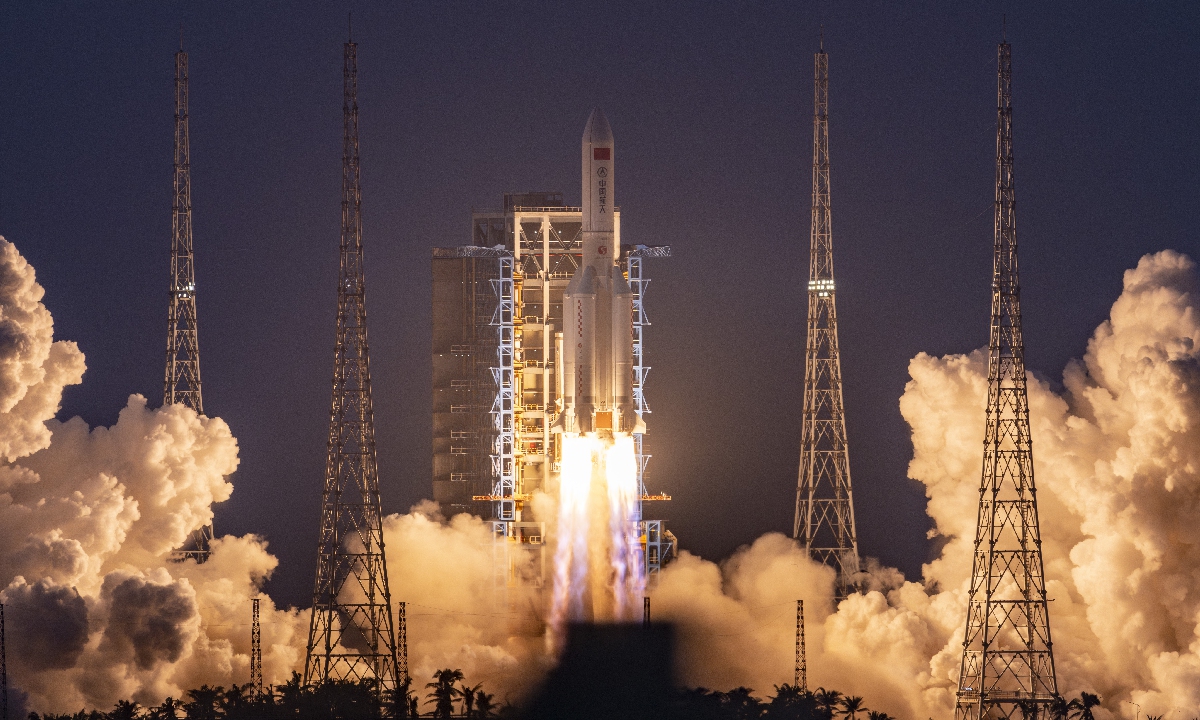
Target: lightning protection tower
182, 379
351, 633
256, 681
1007, 664
3, 670
801, 652
824, 506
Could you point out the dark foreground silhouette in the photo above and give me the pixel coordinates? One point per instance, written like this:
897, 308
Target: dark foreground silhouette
607, 672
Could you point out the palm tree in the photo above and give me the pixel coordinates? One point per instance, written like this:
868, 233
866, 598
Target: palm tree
235, 700
876, 715
168, 710
203, 705
444, 692
126, 710
792, 703
741, 704
852, 706
468, 695
1081, 707
1059, 708
827, 701
484, 708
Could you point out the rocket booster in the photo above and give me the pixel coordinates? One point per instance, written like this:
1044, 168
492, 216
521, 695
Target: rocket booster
596, 356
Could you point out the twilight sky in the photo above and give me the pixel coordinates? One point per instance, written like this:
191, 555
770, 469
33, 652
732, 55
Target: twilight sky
711, 107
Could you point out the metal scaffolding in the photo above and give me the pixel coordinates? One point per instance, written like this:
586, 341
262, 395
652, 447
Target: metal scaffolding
1007, 664
497, 313
181, 382
824, 522
503, 412
351, 633
658, 544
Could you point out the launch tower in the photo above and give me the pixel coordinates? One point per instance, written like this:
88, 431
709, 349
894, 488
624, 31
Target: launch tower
497, 316
182, 379
350, 634
824, 522
1007, 664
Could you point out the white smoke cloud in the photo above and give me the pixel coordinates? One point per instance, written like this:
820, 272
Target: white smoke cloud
88, 517
1117, 466
459, 616
96, 611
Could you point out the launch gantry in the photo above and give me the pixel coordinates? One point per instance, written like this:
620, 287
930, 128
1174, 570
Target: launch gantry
497, 319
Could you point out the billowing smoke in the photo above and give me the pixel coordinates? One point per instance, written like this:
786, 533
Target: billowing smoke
1117, 465
97, 611
88, 517
460, 613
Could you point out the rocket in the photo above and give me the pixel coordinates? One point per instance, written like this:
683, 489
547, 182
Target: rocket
596, 356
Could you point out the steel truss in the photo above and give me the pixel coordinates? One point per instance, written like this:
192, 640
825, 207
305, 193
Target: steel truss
824, 522
1008, 664
181, 382
351, 635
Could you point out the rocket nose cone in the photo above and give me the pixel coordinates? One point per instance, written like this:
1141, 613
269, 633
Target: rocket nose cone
597, 131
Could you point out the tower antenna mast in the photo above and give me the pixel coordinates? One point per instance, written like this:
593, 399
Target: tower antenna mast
801, 652
181, 383
256, 681
3, 669
1007, 665
824, 522
351, 635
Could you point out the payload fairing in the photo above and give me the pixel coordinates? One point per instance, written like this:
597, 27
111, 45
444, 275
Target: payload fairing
596, 356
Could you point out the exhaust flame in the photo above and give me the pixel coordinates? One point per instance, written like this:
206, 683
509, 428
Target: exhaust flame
571, 551
628, 571
597, 576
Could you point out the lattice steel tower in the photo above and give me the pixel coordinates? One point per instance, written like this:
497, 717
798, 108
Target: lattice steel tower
351, 633
824, 504
256, 681
1007, 665
801, 681
181, 383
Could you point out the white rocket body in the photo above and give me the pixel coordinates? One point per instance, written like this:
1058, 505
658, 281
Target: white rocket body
596, 357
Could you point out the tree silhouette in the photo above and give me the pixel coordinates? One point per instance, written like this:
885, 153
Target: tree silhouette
740, 704
125, 710
203, 703
361, 700
235, 700
444, 692
1081, 707
828, 702
1059, 708
168, 710
852, 706
467, 694
792, 703
484, 707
